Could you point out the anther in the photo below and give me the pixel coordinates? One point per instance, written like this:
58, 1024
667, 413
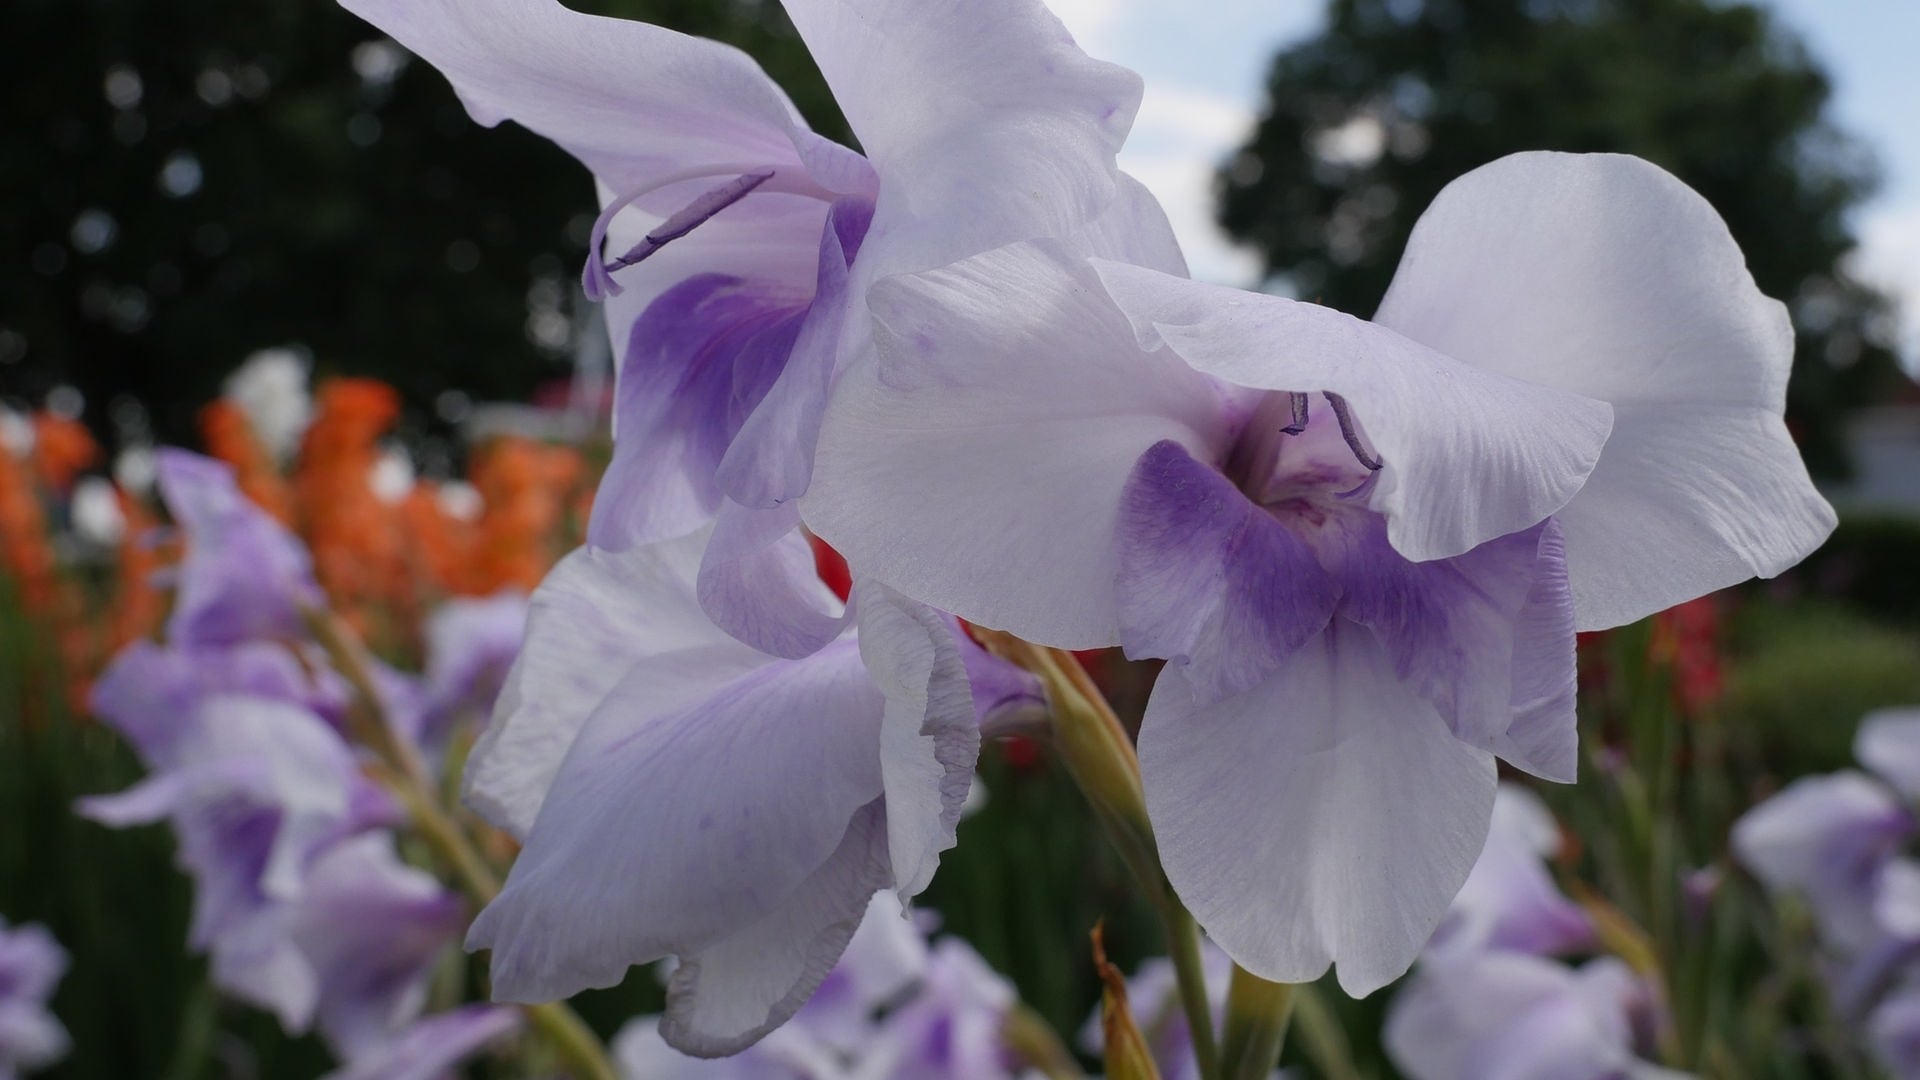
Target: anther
1299, 403
692, 216
1348, 432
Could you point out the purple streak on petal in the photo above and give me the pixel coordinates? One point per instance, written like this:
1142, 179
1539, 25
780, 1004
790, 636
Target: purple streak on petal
429, 1048
758, 582
700, 359
1450, 627
1206, 576
770, 460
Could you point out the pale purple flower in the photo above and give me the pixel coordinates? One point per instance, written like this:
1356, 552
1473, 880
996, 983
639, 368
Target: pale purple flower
256, 789
243, 576
429, 1049
1365, 547
949, 1030
1509, 901
1153, 999
1893, 1033
470, 645
1828, 839
1512, 1016
734, 240
1888, 743
789, 1052
31, 966
886, 959
683, 794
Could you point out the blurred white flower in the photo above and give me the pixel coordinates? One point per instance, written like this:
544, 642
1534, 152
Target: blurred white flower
96, 514
271, 389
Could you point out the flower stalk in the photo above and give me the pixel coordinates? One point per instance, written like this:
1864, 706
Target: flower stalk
407, 777
1099, 756
1256, 1029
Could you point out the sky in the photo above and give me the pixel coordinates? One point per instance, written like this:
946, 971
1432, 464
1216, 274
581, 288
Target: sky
1204, 74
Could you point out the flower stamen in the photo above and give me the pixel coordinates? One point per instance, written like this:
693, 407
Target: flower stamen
1344, 414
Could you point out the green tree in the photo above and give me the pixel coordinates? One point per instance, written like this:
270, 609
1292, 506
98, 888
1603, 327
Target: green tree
186, 184
1365, 123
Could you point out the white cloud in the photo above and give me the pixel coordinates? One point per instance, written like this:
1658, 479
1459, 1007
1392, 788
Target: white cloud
1889, 257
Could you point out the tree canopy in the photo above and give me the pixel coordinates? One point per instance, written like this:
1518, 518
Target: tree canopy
1366, 122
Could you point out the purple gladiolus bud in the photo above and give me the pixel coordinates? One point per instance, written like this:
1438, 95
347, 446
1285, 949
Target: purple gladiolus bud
31, 965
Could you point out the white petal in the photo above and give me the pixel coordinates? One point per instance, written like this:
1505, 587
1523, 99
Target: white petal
944, 93
929, 740
595, 616
690, 804
1605, 276
1469, 455
1325, 816
759, 583
979, 467
635, 103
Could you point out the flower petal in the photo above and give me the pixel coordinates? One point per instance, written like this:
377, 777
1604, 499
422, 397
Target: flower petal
1325, 816
1888, 743
596, 615
944, 92
1453, 629
758, 583
1206, 574
1605, 276
1469, 455
747, 785
929, 738
995, 435
1509, 901
429, 1048
637, 104
1827, 838
725, 996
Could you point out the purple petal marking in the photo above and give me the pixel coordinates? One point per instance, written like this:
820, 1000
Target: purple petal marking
1449, 626
770, 460
1206, 575
692, 216
700, 359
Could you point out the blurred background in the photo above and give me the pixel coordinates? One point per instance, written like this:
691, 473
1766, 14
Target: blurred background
183, 188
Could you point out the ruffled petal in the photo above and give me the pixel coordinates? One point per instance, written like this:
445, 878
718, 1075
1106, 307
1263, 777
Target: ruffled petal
1327, 816
1207, 576
929, 739
979, 465
1604, 275
1469, 456
747, 785
596, 615
946, 92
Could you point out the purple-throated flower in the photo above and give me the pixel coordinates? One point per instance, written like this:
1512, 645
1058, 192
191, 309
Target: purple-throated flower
1365, 547
736, 245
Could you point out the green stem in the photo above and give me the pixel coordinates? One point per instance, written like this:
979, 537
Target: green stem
1099, 756
1257, 1015
561, 1026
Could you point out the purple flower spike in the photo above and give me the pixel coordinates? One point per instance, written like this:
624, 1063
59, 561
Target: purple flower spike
1364, 548
31, 965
